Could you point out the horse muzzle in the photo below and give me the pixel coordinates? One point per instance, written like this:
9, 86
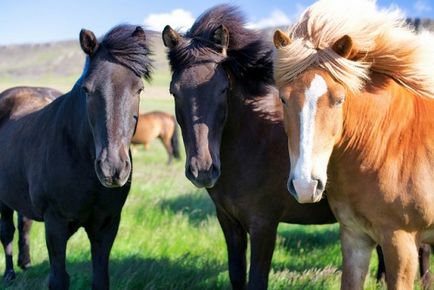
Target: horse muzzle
203, 178
113, 173
306, 190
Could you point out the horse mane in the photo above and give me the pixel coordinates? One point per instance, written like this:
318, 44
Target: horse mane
382, 43
248, 56
127, 50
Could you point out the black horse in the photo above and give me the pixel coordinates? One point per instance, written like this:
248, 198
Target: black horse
68, 164
34, 98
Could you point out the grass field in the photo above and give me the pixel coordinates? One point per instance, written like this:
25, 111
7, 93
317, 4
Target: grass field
169, 237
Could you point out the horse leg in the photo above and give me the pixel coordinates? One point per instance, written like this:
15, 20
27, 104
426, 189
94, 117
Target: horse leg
7, 230
57, 233
24, 226
263, 240
381, 271
356, 253
102, 235
401, 256
169, 149
147, 145
236, 243
424, 255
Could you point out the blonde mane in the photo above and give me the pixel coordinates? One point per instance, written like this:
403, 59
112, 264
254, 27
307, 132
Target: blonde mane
381, 43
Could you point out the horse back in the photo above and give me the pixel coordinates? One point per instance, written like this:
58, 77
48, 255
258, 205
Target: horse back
20, 101
152, 125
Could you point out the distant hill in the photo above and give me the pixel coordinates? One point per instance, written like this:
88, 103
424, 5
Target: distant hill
59, 64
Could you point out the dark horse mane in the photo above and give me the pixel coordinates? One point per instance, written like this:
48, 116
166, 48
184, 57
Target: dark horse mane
131, 52
249, 56
121, 46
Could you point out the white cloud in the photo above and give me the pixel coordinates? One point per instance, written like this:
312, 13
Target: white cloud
276, 18
421, 6
178, 18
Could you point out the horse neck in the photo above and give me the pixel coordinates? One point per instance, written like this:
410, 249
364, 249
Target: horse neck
72, 119
385, 122
251, 120
247, 111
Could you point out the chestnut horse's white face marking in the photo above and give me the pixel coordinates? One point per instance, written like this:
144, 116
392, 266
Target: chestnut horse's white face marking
302, 176
313, 121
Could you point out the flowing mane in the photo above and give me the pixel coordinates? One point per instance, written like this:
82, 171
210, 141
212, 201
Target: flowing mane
381, 43
129, 51
249, 56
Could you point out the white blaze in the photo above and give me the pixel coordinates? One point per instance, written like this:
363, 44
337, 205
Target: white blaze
303, 167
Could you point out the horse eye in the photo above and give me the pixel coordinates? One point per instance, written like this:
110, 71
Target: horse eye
340, 101
140, 91
86, 90
282, 99
224, 91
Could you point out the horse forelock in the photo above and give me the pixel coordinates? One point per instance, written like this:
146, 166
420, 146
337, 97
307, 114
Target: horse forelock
381, 43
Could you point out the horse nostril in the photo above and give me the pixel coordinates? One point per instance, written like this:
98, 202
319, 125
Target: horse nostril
215, 172
193, 171
291, 188
320, 186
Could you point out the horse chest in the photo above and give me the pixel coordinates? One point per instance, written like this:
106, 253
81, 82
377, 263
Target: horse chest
364, 200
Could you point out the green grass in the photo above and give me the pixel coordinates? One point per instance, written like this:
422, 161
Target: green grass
169, 237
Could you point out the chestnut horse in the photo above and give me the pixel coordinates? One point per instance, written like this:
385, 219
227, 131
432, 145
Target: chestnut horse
159, 125
68, 164
33, 98
358, 90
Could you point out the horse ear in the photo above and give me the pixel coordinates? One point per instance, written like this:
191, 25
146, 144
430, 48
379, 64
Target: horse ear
221, 36
171, 38
139, 33
281, 39
343, 46
88, 42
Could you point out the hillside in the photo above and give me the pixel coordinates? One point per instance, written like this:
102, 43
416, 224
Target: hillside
59, 64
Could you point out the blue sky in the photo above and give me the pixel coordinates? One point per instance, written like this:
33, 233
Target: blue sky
24, 21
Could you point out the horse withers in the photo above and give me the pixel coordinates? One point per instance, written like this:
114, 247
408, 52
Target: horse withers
31, 99
68, 164
159, 125
358, 88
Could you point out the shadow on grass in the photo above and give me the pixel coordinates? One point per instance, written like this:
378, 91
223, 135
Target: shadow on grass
198, 206
309, 248
294, 238
132, 273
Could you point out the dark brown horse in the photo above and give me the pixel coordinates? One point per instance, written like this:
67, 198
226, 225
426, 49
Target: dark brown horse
231, 121
68, 164
159, 125
34, 98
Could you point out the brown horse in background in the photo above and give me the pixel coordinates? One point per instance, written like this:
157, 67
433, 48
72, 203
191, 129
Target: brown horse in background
33, 99
358, 92
159, 125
